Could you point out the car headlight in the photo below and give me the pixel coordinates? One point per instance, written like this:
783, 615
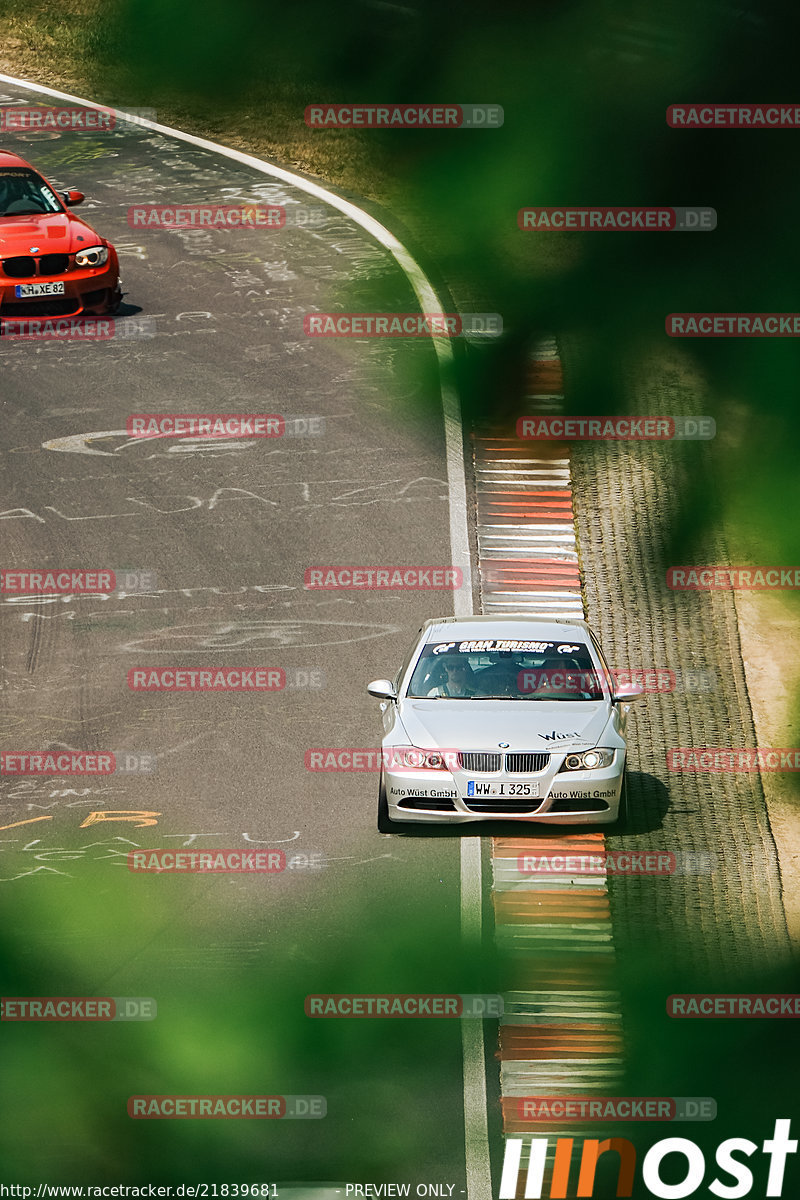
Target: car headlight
92, 256
589, 760
414, 759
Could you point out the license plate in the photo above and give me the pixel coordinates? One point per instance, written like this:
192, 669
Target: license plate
24, 291
476, 788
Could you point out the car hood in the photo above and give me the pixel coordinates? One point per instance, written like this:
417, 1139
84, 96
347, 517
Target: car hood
524, 724
53, 233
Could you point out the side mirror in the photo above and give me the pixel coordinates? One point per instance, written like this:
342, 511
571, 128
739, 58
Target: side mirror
627, 691
382, 689
73, 198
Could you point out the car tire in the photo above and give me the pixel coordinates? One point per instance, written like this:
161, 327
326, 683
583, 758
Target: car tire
622, 812
385, 823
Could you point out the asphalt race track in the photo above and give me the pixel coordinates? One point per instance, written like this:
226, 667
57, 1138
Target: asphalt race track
228, 529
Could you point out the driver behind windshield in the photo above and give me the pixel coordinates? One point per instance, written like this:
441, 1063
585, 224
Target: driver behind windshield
23, 192
459, 679
538, 671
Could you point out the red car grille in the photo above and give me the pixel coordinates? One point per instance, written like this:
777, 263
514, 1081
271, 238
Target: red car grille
27, 267
49, 306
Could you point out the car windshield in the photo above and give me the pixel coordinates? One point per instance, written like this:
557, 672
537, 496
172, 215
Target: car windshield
496, 669
23, 191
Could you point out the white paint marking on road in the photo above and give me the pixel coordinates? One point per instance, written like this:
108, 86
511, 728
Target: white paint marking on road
78, 443
81, 443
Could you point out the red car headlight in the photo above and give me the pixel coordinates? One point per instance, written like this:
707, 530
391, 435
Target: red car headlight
92, 256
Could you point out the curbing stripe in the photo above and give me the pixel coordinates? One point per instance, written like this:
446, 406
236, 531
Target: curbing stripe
562, 1028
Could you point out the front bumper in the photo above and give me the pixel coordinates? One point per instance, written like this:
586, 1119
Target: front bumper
564, 797
90, 291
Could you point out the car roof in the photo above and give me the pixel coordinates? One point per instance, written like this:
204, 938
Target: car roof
9, 159
516, 626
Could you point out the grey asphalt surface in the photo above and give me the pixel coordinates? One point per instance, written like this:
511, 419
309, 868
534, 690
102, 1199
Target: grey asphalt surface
229, 530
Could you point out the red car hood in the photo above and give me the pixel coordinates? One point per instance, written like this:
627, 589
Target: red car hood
53, 233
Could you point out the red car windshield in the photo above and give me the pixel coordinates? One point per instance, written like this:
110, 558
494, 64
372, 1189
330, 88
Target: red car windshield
23, 191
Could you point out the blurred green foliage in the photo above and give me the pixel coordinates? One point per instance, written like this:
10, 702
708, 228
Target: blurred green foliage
584, 86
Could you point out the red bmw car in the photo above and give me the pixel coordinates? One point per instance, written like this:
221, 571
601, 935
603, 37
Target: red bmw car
51, 262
